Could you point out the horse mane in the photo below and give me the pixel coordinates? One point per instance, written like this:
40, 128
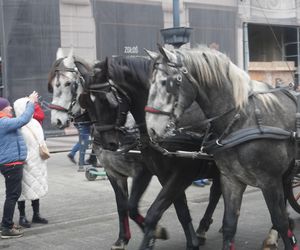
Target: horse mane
212, 67
82, 65
136, 67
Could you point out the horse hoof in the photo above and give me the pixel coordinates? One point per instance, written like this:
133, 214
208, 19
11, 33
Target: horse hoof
201, 241
271, 243
270, 247
161, 233
148, 245
201, 237
119, 245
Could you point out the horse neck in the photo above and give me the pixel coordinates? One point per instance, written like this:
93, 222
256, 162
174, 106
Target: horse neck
138, 102
220, 103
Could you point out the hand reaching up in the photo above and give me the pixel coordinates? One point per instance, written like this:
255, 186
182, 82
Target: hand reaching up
33, 97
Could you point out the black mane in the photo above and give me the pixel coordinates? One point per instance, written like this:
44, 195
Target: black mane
126, 71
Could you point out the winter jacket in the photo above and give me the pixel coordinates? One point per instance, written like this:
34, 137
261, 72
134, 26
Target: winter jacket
12, 145
34, 182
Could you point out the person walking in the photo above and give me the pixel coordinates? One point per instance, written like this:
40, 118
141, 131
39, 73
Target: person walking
34, 182
84, 134
13, 153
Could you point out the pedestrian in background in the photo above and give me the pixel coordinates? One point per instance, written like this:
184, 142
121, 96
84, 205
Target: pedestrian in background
13, 153
84, 134
34, 182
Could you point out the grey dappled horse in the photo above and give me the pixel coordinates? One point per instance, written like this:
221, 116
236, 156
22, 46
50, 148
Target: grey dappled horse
236, 106
122, 84
66, 80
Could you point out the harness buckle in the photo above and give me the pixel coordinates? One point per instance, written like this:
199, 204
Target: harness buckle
179, 78
218, 143
184, 70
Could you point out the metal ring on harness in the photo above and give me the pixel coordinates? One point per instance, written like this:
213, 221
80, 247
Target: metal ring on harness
184, 70
179, 78
218, 143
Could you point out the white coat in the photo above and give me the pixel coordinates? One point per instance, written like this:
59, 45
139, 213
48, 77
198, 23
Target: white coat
34, 182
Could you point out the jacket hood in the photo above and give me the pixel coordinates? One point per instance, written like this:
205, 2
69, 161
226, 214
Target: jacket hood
20, 106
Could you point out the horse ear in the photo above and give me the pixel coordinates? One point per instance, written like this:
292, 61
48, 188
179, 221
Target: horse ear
107, 67
59, 53
168, 55
69, 61
71, 52
152, 54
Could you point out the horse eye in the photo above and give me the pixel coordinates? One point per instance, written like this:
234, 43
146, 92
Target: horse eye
67, 84
163, 83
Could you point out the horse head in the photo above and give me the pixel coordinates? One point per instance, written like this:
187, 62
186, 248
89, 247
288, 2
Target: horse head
168, 96
107, 106
66, 80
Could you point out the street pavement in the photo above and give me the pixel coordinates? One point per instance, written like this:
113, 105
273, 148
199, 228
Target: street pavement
82, 214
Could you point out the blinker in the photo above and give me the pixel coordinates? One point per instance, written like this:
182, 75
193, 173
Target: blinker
171, 85
113, 102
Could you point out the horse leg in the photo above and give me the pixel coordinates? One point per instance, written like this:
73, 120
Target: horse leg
232, 191
271, 241
274, 197
172, 191
121, 194
214, 197
139, 184
185, 219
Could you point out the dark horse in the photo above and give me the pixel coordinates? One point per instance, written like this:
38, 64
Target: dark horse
252, 122
66, 80
122, 85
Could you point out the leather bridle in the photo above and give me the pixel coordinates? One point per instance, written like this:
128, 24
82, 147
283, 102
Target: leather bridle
173, 84
79, 80
120, 99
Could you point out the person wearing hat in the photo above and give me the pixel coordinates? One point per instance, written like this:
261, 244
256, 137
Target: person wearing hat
13, 153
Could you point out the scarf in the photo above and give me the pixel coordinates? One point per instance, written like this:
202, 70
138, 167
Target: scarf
3, 114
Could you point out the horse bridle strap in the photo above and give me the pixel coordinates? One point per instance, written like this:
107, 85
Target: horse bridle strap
156, 111
74, 96
58, 108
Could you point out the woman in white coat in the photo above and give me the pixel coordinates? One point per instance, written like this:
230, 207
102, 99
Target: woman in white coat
34, 182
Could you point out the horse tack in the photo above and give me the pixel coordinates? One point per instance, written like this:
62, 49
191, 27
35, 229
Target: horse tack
115, 101
227, 140
74, 85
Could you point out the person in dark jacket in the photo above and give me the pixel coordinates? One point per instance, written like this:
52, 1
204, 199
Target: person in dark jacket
13, 153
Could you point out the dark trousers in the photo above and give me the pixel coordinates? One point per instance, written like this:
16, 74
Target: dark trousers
13, 182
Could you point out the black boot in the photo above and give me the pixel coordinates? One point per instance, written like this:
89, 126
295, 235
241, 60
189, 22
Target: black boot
36, 218
23, 220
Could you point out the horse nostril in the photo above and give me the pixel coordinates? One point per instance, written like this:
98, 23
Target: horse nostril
152, 133
58, 122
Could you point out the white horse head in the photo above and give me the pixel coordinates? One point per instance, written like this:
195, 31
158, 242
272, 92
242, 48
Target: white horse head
164, 102
65, 82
